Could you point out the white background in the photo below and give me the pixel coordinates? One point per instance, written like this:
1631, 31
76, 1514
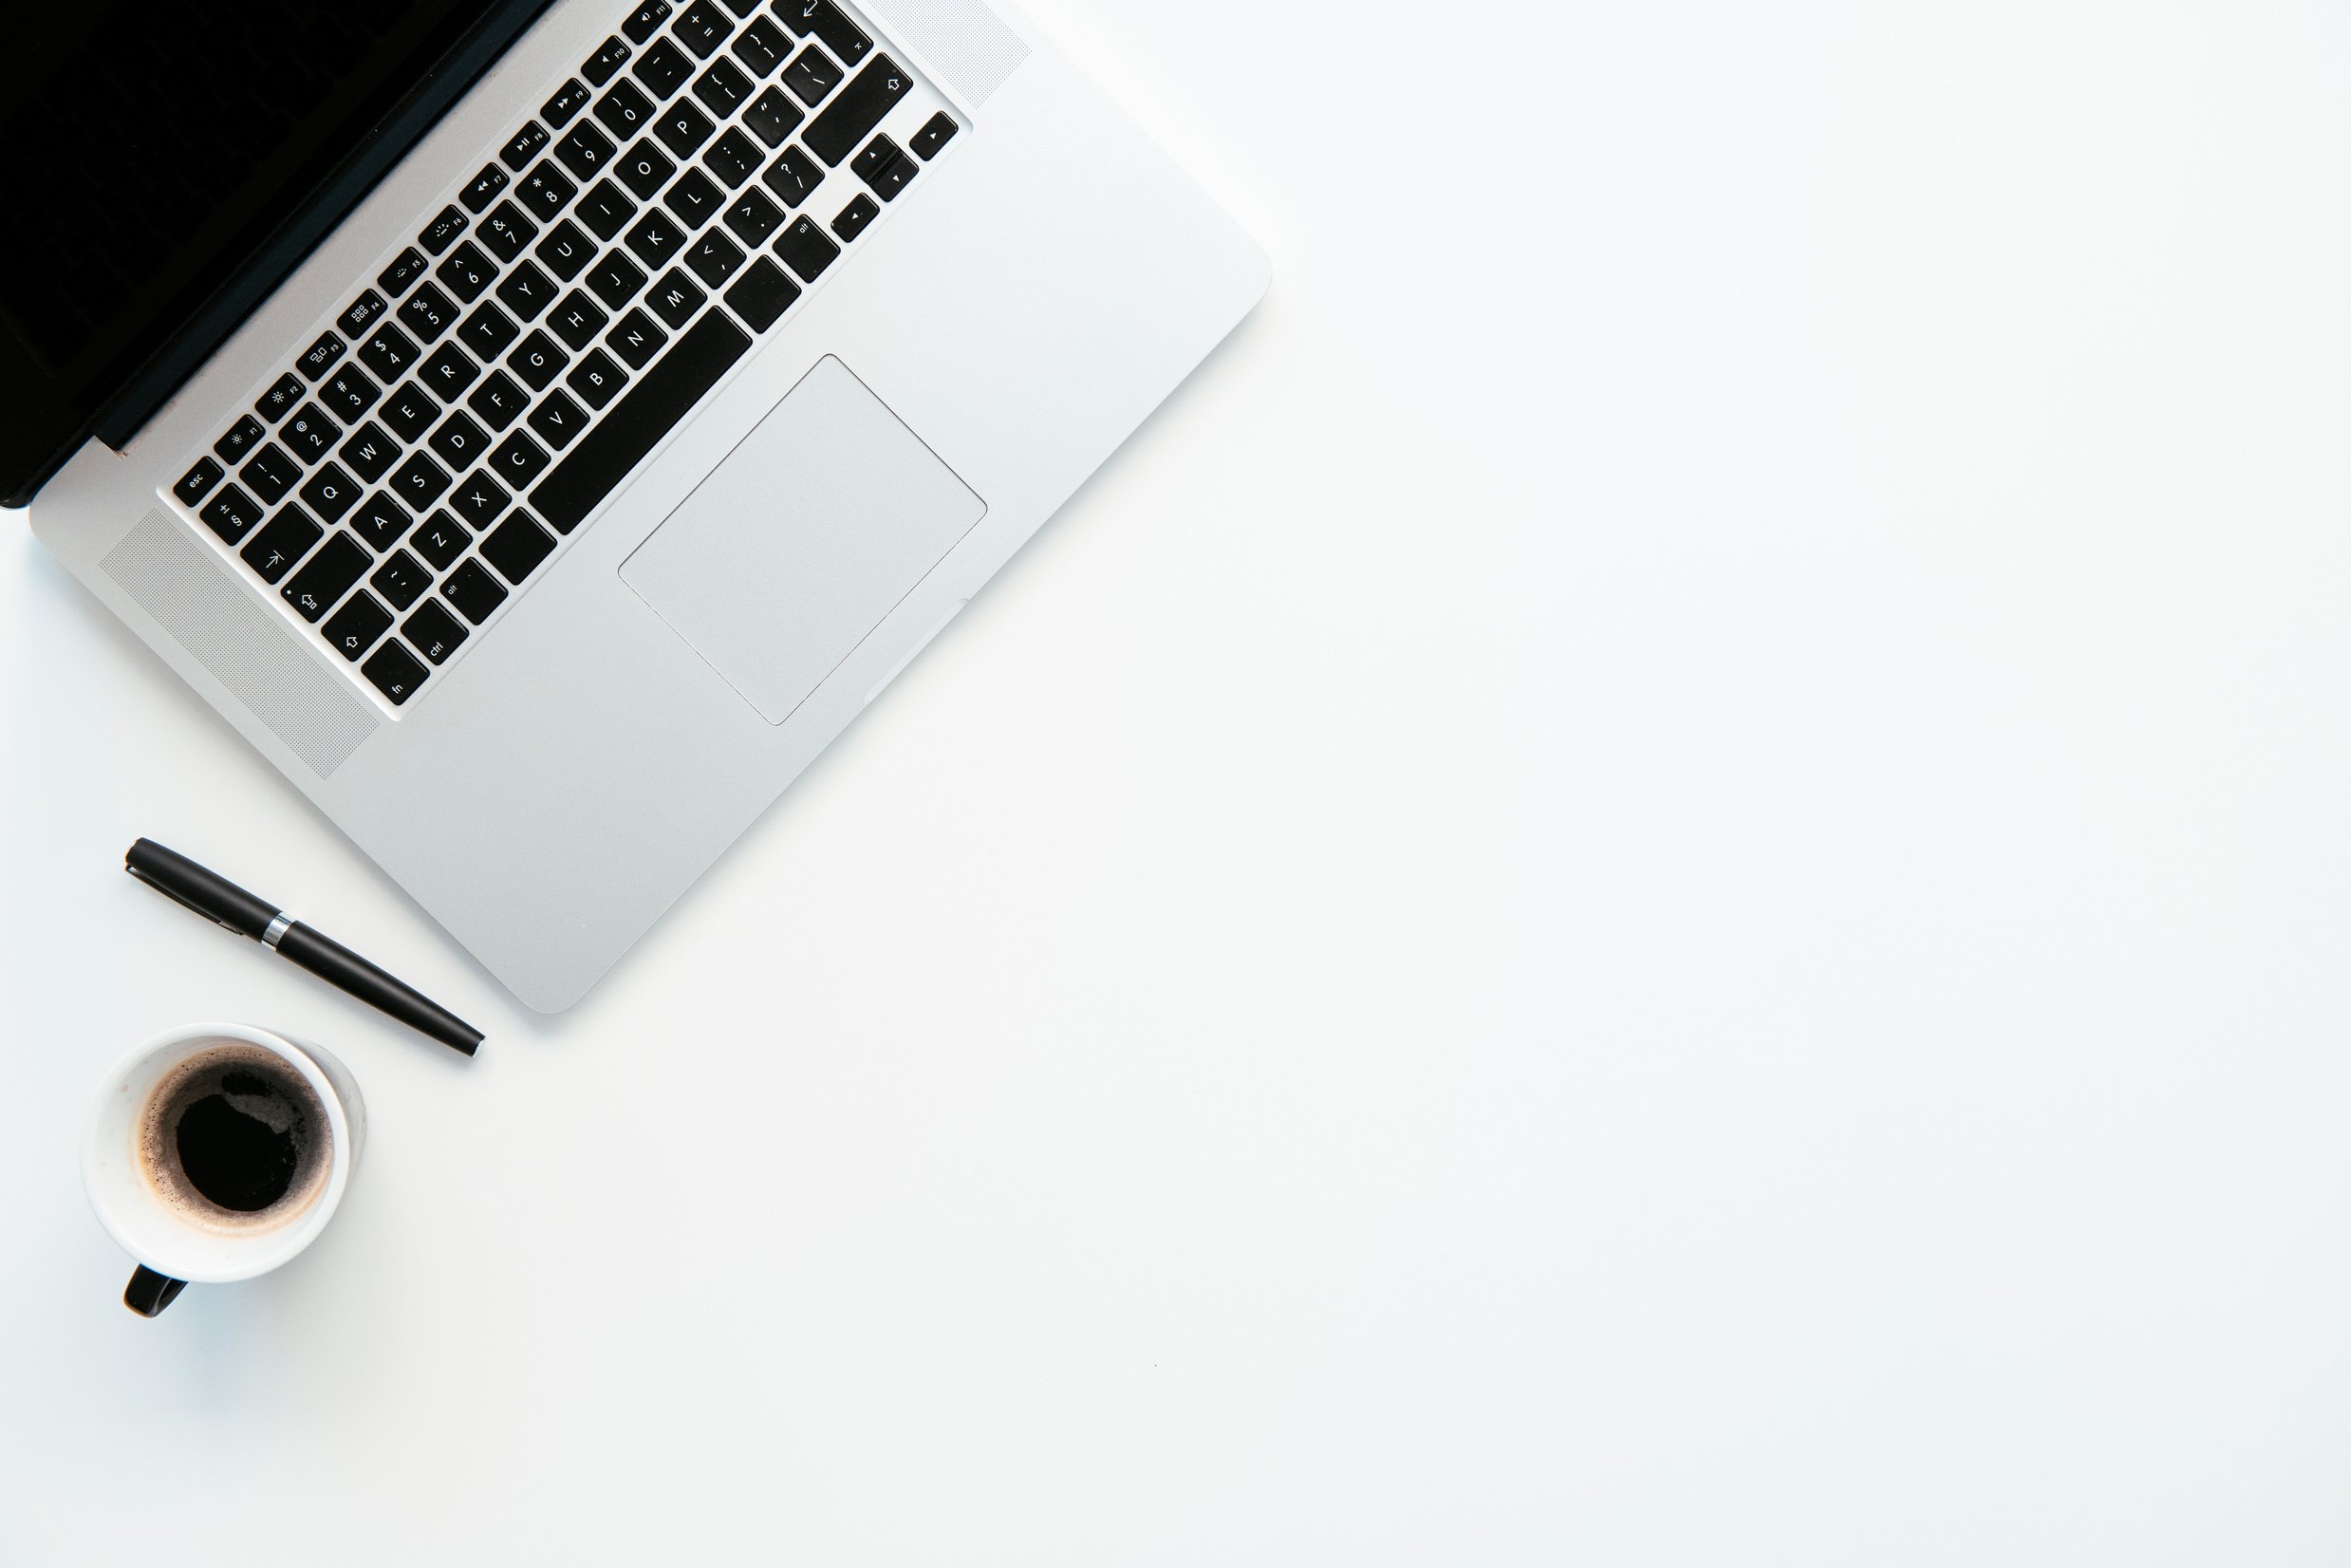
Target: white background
1663, 879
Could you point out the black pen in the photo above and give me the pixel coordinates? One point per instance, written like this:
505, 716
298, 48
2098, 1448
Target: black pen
224, 902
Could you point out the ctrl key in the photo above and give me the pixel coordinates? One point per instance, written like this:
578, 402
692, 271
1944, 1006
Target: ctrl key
395, 672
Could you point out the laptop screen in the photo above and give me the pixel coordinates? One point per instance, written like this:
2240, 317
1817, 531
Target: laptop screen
163, 166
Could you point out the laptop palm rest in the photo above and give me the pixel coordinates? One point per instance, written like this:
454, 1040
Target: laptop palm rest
802, 540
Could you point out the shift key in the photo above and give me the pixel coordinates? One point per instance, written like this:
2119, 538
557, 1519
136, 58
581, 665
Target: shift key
838, 132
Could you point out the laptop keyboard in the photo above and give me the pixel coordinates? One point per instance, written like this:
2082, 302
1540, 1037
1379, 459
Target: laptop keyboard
422, 458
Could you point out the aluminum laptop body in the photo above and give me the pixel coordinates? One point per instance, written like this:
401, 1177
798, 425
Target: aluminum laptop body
654, 674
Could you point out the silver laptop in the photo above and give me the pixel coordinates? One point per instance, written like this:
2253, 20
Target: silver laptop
541, 427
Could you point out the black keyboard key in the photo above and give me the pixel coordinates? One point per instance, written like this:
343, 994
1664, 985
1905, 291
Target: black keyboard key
241, 439
273, 551
419, 482
348, 394
401, 579
526, 291
762, 294
596, 379
558, 419
388, 352
406, 268
459, 440
283, 394
615, 278
753, 218
440, 539
271, 473
538, 361
566, 250
379, 521
410, 413
498, 401
683, 127
320, 357
487, 331
524, 147
484, 189
309, 435
442, 232
479, 501
606, 62
760, 46
675, 299
447, 372
644, 169
625, 110
772, 116
232, 514
636, 424
884, 168
636, 339
714, 258
656, 237
360, 313
394, 671
645, 21
568, 100
854, 216
702, 27
197, 482
576, 319
823, 19
369, 452
434, 630
518, 460
332, 492
428, 313
507, 231
475, 593
811, 76
356, 626
722, 88
545, 191
733, 157
516, 547
326, 577
466, 273
936, 133
606, 209
585, 150
806, 250
833, 135
664, 69
695, 199
792, 176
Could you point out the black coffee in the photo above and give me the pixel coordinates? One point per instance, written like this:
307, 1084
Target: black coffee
236, 1144
235, 1138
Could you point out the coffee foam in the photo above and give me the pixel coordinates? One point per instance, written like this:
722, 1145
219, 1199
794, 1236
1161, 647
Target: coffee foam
201, 1074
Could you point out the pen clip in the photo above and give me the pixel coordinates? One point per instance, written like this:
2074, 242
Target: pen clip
184, 904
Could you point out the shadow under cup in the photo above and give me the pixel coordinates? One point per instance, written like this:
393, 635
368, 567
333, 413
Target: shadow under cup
217, 1153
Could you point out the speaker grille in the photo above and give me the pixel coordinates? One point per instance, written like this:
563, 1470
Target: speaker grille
961, 41
191, 596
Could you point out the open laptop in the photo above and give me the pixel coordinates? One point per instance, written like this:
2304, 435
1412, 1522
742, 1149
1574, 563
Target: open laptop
540, 427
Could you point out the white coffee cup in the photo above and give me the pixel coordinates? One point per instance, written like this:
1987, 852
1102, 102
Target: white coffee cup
172, 1246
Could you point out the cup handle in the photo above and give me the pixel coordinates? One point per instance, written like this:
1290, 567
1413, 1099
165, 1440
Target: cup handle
149, 1293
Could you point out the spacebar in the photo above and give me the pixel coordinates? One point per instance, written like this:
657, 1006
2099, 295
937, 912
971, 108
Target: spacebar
635, 425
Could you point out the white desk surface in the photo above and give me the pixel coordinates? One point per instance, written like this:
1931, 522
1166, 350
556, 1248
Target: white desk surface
1664, 879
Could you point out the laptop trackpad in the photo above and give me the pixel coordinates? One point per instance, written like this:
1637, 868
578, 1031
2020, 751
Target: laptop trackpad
802, 539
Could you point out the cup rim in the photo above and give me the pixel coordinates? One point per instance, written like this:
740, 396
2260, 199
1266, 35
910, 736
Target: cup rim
246, 1257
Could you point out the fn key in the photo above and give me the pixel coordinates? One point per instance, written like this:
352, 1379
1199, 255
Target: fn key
395, 672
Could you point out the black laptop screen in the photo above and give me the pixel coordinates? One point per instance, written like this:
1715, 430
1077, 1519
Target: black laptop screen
152, 157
